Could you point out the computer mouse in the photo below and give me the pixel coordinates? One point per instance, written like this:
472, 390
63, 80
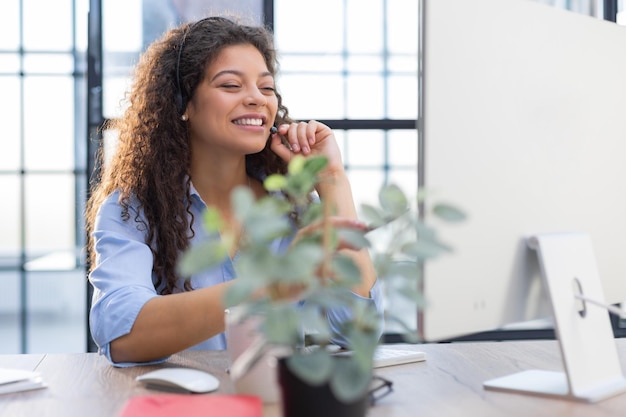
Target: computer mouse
180, 379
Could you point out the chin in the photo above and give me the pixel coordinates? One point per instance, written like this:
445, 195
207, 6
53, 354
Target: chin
255, 150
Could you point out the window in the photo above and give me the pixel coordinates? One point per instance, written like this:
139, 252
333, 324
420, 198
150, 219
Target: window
42, 176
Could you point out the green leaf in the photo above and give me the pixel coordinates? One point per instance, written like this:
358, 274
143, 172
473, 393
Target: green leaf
363, 343
315, 368
299, 186
346, 272
275, 182
299, 264
242, 200
383, 263
373, 216
315, 164
312, 213
422, 249
349, 382
262, 229
367, 321
426, 232
212, 220
257, 264
282, 325
296, 164
449, 213
315, 325
327, 297
355, 238
408, 271
241, 291
202, 257
393, 200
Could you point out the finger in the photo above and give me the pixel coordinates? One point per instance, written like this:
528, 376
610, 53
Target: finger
312, 129
302, 135
278, 147
289, 132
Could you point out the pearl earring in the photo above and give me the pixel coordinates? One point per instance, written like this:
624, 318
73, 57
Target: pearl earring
184, 117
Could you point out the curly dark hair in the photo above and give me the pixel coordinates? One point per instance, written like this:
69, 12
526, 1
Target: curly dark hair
152, 158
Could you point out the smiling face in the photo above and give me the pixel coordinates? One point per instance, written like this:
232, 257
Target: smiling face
234, 106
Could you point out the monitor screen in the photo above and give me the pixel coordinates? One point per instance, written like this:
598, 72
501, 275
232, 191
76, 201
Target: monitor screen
522, 124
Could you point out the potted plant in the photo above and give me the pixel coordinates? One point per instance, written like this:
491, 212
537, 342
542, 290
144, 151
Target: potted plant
321, 276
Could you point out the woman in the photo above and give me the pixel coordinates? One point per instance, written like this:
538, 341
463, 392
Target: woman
198, 125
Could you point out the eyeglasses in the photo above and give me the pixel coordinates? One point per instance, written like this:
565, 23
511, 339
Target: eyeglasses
379, 388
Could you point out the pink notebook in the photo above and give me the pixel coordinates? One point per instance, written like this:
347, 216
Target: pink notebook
193, 405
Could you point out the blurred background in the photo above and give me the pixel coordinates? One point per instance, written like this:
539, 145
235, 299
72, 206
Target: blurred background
64, 68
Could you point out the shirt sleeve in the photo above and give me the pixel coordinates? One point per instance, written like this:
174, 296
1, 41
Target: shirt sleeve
336, 316
121, 276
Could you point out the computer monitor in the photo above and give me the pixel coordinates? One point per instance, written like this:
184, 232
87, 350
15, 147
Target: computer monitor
522, 124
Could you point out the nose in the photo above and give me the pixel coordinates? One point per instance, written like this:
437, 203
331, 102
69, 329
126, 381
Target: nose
255, 98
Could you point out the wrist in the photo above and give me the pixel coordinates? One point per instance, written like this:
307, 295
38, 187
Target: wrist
331, 179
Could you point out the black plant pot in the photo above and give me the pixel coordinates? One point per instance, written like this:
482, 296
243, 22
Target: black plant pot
299, 399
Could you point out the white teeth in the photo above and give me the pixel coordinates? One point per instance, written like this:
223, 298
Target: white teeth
253, 122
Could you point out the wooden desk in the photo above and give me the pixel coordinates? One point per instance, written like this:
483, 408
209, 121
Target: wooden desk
448, 384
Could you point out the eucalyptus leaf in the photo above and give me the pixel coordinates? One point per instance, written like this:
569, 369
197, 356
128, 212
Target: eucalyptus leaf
382, 263
201, 257
425, 232
275, 182
366, 320
312, 213
409, 271
363, 346
259, 265
212, 220
354, 238
242, 200
314, 367
315, 164
373, 216
424, 250
282, 325
237, 294
449, 212
348, 381
314, 324
299, 186
393, 200
296, 164
326, 297
262, 229
346, 272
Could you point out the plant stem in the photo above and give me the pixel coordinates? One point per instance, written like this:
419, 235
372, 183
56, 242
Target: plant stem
326, 241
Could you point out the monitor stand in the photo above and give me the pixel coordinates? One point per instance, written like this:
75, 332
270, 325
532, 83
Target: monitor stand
584, 333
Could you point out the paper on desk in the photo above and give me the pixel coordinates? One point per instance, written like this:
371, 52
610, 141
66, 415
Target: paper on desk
15, 380
193, 405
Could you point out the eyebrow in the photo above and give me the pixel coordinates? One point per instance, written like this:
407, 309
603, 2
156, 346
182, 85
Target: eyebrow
239, 73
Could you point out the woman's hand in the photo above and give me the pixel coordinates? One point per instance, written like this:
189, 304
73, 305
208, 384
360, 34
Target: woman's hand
315, 138
308, 138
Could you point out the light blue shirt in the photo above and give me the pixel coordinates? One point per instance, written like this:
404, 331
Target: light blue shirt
123, 281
